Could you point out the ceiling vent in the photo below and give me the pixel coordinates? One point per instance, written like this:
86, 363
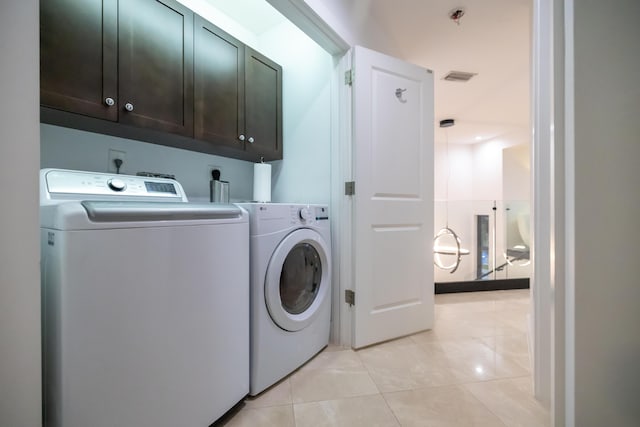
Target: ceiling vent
459, 76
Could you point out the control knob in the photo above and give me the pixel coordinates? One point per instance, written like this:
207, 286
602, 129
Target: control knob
305, 214
117, 184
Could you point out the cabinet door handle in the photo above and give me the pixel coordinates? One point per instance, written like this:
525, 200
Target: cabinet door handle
128, 106
241, 137
251, 140
110, 102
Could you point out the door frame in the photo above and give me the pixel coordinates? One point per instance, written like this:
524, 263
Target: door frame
343, 206
553, 171
552, 295
542, 218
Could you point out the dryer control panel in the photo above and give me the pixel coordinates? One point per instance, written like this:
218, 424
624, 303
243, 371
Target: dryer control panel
308, 214
268, 218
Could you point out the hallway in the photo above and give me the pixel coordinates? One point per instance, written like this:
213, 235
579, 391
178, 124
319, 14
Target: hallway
473, 369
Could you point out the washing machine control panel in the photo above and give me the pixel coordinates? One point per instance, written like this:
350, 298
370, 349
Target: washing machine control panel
68, 184
117, 184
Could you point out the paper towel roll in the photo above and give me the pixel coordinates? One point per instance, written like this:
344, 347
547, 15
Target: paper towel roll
262, 182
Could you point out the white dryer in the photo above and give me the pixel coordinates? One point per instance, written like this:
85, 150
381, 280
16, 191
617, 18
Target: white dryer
290, 288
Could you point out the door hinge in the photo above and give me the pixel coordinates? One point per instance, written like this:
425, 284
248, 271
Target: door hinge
350, 188
348, 77
350, 297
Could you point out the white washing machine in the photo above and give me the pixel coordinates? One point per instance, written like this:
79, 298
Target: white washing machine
290, 288
145, 303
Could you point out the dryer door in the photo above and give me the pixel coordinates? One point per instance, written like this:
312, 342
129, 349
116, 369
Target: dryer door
298, 284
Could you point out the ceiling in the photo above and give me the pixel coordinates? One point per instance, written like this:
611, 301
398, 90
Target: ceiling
492, 39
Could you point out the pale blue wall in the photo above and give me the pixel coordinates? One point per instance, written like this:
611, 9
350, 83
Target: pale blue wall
75, 149
304, 176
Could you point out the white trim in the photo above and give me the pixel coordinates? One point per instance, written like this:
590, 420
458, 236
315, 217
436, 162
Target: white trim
334, 212
569, 229
554, 204
305, 18
542, 100
342, 171
341, 205
558, 213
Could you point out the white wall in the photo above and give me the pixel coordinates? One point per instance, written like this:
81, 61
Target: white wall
516, 170
607, 212
475, 175
475, 171
304, 173
453, 172
20, 388
488, 164
487, 170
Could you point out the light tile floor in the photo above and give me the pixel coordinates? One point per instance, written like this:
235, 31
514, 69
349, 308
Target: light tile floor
472, 369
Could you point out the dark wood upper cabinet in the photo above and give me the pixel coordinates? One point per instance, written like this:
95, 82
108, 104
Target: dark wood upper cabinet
171, 76
156, 65
219, 86
238, 95
263, 106
78, 56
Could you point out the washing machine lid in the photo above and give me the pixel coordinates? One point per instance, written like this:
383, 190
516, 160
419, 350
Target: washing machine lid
97, 214
107, 211
298, 279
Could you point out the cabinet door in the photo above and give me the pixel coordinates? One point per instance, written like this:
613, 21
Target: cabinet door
78, 56
219, 86
263, 86
156, 65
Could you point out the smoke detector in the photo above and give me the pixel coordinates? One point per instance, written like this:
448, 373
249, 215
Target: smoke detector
459, 76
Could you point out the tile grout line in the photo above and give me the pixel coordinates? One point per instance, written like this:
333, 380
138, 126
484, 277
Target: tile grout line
498, 417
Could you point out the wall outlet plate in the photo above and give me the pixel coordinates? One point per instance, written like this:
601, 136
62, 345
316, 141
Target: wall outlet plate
116, 154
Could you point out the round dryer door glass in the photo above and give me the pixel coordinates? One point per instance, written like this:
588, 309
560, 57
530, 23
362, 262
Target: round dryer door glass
300, 278
297, 284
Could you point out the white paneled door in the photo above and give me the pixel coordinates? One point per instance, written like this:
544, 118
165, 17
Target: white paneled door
393, 210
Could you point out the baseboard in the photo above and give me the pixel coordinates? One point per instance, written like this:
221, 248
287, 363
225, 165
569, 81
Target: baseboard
481, 285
